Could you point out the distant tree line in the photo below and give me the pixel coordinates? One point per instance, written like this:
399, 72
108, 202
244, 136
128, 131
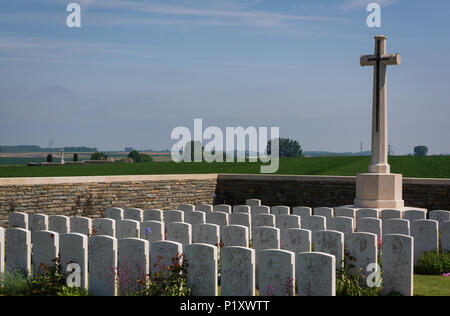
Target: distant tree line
33, 148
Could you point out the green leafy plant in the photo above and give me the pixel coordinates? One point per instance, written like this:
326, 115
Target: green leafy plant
433, 263
99, 156
50, 281
15, 283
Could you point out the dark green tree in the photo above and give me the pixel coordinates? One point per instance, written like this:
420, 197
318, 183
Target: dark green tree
287, 147
420, 150
99, 156
75, 157
49, 158
138, 157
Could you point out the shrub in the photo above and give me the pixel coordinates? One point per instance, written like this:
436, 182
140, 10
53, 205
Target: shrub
15, 283
49, 158
75, 157
433, 263
50, 282
138, 157
99, 156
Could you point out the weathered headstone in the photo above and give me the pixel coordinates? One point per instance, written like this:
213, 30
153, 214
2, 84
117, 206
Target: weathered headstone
202, 271
302, 211
187, 208
127, 228
288, 221
206, 234
102, 265
152, 231
253, 202
104, 226
59, 224
370, 225
367, 213
222, 208
164, 254
397, 256
237, 271
153, 215
439, 216
207, 208
396, 226
38, 222
316, 274
133, 264
45, 251
276, 272
280, 210
241, 209
135, 214
331, 242
18, 220
345, 212
18, 250
242, 219
327, 212
266, 238
295, 240
445, 235
179, 232
413, 215
389, 214
314, 223
81, 225
341, 224
218, 218
173, 216
263, 220
74, 249
426, 237
195, 218
115, 213
261, 209
235, 235
362, 251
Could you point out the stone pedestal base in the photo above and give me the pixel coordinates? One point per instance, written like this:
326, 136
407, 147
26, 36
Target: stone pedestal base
379, 190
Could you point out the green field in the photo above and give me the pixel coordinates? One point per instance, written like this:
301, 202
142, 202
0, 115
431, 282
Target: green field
431, 285
416, 167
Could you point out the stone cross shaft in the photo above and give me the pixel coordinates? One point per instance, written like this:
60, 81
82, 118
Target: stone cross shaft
380, 61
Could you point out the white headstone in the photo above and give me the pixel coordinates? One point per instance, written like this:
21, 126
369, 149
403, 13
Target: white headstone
237, 271
18, 250
164, 254
369, 225
439, 216
218, 218
280, 210
445, 235
253, 202
261, 209
135, 214
115, 213
173, 216
152, 231
242, 219
127, 228
316, 274
2, 249
276, 272
295, 240
202, 271
205, 208
314, 223
187, 208
241, 209
222, 208
103, 265
396, 226
206, 234
331, 242
327, 212
81, 225
389, 214
302, 211
18, 220
59, 224
179, 232
362, 251
426, 237
74, 249
45, 251
413, 215
367, 213
195, 218
397, 256
104, 226
38, 222
345, 212
288, 221
235, 235
153, 215
341, 224
266, 238
263, 220
133, 264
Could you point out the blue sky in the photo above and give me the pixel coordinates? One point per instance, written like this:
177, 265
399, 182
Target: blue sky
137, 69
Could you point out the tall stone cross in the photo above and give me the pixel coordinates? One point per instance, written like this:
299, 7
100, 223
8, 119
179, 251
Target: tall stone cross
380, 61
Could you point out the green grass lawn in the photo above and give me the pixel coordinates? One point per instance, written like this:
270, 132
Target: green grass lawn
417, 167
431, 285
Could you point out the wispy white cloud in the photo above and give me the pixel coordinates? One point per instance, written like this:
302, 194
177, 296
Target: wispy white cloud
357, 4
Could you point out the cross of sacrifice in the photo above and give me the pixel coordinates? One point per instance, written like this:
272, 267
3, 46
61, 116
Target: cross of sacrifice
380, 61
